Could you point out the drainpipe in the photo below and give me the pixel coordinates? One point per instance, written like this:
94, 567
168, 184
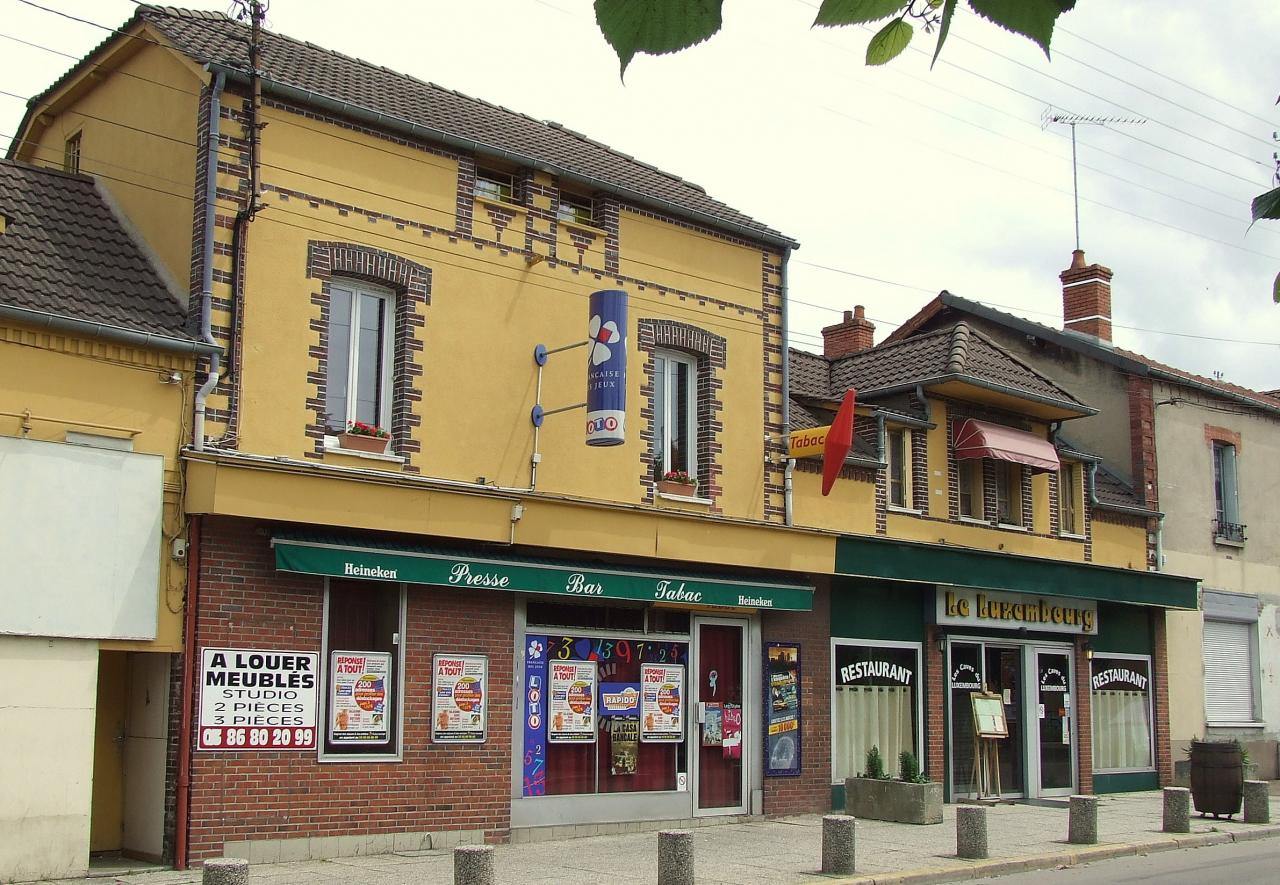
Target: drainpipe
206, 276
1160, 543
182, 797
788, 514
928, 407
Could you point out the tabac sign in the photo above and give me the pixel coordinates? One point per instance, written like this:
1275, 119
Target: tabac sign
967, 607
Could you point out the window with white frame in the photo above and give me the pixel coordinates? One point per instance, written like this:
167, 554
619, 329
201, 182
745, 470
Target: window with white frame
675, 413
898, 456
1008, 493
969, 486
1120, 698
875, 703
1226, 493
358, 380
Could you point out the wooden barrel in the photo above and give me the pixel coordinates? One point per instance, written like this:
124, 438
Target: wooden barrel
1217, 777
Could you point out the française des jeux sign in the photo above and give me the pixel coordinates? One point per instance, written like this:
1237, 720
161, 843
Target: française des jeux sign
530, 577
1012, 611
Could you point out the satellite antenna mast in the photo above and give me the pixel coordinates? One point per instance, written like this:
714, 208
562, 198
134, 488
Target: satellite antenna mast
1073, 120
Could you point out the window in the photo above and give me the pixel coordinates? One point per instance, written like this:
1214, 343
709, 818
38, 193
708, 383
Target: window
1121, 703
675, 402
875, 703
1068, 511
1230, 657
1225, 491
71, 154
1008, 493
363, 694
574, 209
969, 482
495, 185
358, 386
898, 455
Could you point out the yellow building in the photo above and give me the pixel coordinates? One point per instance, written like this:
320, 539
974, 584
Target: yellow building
95, 390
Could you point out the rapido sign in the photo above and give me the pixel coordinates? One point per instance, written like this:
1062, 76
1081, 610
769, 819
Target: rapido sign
607, 369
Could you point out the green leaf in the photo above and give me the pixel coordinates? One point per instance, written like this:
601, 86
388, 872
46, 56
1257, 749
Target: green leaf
1275, 290
835, 13
889, 43
655, 27
1267, 205
1033, 19
947, 11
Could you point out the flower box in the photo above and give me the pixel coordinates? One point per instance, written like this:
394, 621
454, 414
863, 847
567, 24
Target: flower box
900, 801
362, 442
671, 487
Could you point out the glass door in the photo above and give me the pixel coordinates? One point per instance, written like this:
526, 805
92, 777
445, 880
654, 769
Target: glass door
721, 723
1004, 677
964, 678
1055, 750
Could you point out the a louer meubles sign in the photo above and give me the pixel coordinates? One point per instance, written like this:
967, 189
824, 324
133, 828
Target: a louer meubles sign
523, 576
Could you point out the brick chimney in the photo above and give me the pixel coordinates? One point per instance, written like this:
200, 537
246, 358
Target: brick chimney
854, 334
1086, 298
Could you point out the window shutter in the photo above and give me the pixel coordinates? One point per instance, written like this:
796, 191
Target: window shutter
1230, 499
1228, 671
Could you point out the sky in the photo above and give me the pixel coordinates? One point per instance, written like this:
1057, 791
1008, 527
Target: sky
898, 181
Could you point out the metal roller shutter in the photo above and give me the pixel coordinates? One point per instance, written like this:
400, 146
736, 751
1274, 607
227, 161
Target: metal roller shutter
1228, 671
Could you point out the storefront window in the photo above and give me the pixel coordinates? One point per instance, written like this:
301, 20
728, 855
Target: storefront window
875, 704
364, 622
1121, 698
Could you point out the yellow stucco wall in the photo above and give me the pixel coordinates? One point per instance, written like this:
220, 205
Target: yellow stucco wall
1122, 546
681, 258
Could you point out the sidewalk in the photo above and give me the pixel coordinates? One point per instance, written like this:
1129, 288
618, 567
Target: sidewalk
783, 851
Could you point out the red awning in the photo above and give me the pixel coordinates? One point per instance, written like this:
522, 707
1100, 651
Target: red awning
978, 439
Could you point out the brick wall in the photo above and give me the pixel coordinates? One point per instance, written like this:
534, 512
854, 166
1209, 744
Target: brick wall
1084, 719
1160, 683
811, 791
245, 603
935, 724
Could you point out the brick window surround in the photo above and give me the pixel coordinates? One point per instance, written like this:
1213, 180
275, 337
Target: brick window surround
710, 353
411, 283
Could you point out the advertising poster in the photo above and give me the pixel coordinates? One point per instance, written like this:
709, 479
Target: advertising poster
662, 703
607, 369
782, 709
624, 744
459, 689
712, 724
251, 699
620, 699
573, 702
535, 716
361, 682
731, 731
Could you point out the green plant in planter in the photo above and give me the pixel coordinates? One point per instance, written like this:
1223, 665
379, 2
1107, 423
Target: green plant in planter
909, 769
875, 765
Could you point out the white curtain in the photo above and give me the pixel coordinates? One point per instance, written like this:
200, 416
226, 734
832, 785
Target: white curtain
867, 716
1121, 730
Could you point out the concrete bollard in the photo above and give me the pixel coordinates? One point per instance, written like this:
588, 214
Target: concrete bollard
473, 865
1082, 826
837, 843
1177, 810
1257, 809
675, 857
225, 871
971, 831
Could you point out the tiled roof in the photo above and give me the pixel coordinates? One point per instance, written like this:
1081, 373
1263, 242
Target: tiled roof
805, 416
810, 375
213, 37
1263, 399
1112, 490
64, 252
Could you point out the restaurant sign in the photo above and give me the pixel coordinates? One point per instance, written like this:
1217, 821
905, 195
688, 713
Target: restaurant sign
1011, 611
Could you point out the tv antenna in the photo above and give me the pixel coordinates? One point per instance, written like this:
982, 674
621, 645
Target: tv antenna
1073, 120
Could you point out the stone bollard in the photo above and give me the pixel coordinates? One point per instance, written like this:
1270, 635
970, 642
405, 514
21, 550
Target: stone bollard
1082, 827
837, 843
1256, 807
225, 871
1177, 810
971, 831
675, 857
473, 865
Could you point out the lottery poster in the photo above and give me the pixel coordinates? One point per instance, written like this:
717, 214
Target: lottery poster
459, 698
661, 703
731, 731
624, 745
782, 709
361, 686
572, 711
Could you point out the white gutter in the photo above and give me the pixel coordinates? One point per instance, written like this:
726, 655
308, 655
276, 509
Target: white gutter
206, 281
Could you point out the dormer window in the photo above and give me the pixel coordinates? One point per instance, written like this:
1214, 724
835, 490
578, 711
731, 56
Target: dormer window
574, 209
898, 456
494, 185
71, 154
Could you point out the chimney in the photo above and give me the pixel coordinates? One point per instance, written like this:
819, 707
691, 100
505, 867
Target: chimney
854, 334
1086, 298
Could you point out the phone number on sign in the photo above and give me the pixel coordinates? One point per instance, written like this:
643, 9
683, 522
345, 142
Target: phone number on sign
225, 738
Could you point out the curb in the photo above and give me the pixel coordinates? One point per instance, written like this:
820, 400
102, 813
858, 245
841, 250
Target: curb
1074, 857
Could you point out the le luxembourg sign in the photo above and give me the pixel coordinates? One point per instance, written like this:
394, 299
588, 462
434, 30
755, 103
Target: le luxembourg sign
1011, 611
521, 576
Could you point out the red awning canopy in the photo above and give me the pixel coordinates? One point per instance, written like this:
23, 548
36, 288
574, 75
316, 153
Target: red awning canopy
978, 439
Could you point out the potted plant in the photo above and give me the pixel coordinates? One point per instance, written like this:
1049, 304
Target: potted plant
364, 438
677, 482
1217, 776
911, 799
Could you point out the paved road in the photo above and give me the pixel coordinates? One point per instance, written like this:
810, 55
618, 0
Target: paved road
1249, 863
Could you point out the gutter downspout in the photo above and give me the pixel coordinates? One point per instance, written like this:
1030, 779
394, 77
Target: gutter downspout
788, 513
182, 795
928, 407
206, 271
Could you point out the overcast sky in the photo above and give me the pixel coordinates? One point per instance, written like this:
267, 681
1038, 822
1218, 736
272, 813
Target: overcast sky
898, 181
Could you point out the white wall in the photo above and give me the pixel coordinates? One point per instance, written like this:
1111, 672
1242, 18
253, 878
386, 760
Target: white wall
80, 535
47, 696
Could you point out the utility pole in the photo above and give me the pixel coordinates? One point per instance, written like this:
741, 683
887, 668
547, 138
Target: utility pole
1074, 120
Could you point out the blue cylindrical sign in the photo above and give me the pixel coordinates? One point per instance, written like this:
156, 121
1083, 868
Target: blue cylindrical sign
607, 369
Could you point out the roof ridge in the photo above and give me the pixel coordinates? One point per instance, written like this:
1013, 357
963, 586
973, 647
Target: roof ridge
958, 355
48, 170
1030, 368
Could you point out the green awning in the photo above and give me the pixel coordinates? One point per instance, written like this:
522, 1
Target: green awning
365, 560
960, 567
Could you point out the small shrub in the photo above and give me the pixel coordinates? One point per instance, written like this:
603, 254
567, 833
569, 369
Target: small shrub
875, 765
909, 768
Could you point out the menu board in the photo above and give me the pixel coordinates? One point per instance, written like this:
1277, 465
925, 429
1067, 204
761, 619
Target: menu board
661, 703
361, 686
459, 698
572, 710
988, 715
782, 709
